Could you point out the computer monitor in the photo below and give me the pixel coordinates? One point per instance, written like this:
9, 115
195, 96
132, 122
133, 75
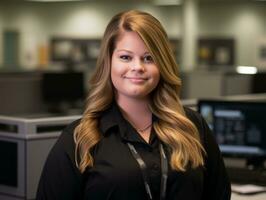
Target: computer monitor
258, 83
238, 126
62, 88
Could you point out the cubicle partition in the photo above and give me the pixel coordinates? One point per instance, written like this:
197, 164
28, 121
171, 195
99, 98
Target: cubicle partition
24, 146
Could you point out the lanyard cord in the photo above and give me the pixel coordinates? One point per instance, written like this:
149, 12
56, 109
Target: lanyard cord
143, 168
164, 167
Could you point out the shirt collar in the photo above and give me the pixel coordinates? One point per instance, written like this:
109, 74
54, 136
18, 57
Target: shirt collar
112, 117
109, 118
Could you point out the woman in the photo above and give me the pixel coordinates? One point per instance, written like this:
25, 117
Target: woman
135, 140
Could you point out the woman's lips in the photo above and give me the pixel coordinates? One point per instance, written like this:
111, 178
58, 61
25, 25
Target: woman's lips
137, 79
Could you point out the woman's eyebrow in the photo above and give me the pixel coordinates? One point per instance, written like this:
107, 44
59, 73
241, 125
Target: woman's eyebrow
125, 50
118, 50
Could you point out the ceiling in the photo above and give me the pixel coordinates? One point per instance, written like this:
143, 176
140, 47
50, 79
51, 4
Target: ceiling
150, 1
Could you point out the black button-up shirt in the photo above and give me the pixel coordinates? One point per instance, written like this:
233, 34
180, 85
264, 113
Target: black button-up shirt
116, 174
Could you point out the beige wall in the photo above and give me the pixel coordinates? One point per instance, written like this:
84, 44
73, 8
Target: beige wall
243, 21
37, 22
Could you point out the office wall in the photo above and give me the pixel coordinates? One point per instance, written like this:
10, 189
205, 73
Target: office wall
243, 21
38, 22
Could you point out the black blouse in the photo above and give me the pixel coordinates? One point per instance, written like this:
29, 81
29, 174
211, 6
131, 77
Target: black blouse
116, 174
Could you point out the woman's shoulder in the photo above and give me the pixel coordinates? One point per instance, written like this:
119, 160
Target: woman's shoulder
67, 135
65, 144
69, 130
198, 121
193, 116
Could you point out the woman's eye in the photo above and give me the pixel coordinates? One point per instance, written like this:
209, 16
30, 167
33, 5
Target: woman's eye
125, 57
148, 59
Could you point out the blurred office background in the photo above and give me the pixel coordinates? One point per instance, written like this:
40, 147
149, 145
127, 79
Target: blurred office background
48, 51
211, 39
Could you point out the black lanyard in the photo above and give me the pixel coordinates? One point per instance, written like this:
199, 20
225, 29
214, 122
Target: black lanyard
143, 168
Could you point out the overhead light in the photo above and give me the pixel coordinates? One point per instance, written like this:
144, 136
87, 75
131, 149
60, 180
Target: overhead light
246, 70
167, 2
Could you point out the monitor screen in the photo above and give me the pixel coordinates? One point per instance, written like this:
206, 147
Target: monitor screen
58, 87
258, 83
239, 127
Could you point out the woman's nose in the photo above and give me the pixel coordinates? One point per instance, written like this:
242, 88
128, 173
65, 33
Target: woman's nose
137, 65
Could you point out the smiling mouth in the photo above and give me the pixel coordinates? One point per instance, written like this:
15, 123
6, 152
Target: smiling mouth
137, 79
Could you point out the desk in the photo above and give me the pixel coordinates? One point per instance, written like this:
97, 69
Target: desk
260, 196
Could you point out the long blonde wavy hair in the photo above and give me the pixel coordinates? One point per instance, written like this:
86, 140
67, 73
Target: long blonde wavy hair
172, 127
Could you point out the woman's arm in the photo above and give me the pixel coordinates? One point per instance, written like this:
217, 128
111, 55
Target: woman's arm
216, 182
60, 178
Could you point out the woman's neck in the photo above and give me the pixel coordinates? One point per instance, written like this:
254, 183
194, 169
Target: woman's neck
136, 111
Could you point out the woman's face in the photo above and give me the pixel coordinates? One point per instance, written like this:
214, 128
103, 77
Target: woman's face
133, 71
